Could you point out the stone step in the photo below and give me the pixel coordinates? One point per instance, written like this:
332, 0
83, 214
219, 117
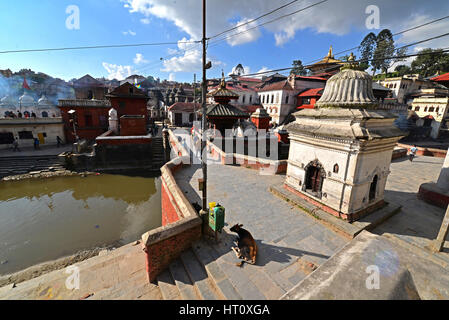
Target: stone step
182, 281
167, 286
198, 275
207, 256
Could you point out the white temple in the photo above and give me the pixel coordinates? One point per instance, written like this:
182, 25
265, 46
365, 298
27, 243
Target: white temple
340, 152
27, 106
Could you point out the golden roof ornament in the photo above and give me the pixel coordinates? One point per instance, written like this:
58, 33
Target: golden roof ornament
223, 82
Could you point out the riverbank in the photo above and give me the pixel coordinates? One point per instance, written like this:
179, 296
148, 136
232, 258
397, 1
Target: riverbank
49, 266
47, 174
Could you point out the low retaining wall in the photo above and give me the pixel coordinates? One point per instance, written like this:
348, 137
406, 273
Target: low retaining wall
430, 152
181, 224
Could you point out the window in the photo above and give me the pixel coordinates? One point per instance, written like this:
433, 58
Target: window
102, 120
336, 168
272, 98
44, 114
263, 99
243, 99
131, 90
438, 109
416, 108
306, 100
425, 109
6, 137
431, 109
122, 104
88, 120
25, 135
90, 94
286, 99
191, 117
250, 99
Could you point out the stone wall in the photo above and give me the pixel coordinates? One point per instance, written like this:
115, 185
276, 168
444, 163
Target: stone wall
181, 224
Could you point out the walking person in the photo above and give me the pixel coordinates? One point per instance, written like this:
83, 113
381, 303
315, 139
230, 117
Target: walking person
58, 141
15, 145
36, 144
413, 151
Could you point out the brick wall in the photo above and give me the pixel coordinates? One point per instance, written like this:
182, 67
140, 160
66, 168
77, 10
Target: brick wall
165, 244
181, 225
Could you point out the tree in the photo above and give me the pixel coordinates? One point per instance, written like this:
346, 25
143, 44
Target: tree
402, 69
430, 62
298, 68
367, 47
380, 51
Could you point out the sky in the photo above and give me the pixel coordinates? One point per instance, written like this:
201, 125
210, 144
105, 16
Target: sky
307, 35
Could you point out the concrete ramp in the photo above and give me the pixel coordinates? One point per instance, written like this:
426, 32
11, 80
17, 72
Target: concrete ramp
372, 267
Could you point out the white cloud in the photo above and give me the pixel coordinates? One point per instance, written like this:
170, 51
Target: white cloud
145, 21
171, 77
264, 69
244, 34
118, 72
340, 17
139, 59
129, 32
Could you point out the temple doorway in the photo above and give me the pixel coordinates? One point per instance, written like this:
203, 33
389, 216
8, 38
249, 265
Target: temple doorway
314, 178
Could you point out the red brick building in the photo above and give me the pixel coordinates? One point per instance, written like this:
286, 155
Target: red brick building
129, 100
90, 116
308, 98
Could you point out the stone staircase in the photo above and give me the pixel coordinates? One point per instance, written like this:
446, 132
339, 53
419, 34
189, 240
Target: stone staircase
158, 152
206, 271
21, 165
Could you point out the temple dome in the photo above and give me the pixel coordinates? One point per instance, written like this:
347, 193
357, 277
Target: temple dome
26, 100
348, 89
43, 102
7, 102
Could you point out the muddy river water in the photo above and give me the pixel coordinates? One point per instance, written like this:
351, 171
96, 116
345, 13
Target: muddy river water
43, 220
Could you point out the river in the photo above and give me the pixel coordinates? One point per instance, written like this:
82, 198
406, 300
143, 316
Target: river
43, 220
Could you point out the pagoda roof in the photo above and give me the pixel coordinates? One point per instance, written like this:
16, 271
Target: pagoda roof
225, 110
329, 59
316, 92
443, 77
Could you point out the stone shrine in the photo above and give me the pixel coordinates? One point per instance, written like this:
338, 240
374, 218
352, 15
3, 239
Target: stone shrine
340, 152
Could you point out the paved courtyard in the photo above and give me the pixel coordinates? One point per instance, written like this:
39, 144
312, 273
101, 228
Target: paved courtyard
289, 240
418, 222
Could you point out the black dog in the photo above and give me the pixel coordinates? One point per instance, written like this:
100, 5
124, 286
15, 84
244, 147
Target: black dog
245, 245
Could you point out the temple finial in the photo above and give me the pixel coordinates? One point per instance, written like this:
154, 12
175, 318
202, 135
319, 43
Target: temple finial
223, 82
330, 53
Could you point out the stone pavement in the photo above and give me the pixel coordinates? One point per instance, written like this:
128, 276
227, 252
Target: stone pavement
30, 152
291, 243
118, 274
418, 222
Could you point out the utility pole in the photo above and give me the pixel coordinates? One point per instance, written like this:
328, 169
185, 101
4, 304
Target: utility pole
194, 97
203, 138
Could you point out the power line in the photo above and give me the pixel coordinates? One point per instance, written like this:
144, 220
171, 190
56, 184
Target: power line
443, 50
97, 47
271, 21
395, 34
255, 19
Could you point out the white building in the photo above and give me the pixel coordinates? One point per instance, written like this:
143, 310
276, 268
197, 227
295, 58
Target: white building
247, 95
340, 152
183, 113
46, 124
404, 87
280, 98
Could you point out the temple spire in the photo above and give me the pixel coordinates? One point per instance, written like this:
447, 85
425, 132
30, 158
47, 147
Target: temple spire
330, 53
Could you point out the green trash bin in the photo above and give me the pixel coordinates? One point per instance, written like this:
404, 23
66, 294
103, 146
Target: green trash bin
217, 218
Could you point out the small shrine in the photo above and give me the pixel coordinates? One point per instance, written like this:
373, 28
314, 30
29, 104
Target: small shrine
340, 152
222, 115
